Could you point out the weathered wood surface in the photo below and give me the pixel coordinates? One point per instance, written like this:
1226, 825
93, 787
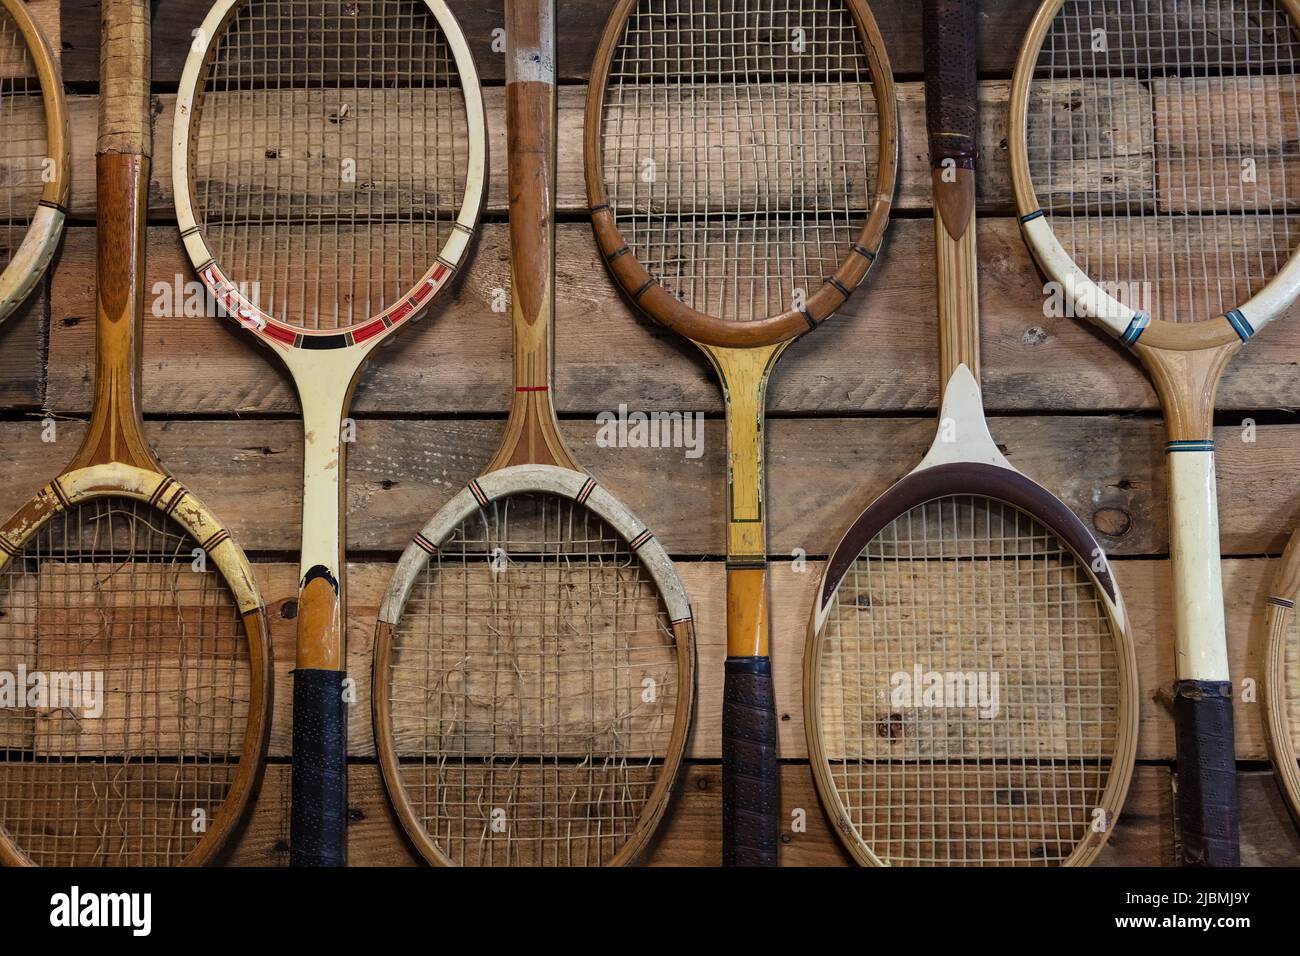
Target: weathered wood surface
823, 472
853, 409
571, 193
582, 21
877, 356
692, 830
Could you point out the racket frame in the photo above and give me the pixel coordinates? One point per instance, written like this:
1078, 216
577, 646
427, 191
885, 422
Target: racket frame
325, 367
1186, 362
744, 355
480, 495
115, 459
32, 258
167, 497
533, 457
972, 464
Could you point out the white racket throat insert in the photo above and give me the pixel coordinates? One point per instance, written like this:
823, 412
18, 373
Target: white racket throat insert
964, 434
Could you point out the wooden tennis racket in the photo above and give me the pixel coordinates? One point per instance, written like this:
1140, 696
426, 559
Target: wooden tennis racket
129, 608
534, 663
1151, 153
329, 162
741, 162
970, 686
1282, 677
34, 154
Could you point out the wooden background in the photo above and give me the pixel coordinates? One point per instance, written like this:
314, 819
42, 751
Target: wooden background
852, 410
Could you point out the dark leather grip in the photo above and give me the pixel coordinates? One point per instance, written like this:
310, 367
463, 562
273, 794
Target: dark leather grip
751, 796
1207, 773
319, 815
951, 81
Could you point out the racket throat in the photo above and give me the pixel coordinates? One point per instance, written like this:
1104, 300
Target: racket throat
963, 434
325, 384
744, 374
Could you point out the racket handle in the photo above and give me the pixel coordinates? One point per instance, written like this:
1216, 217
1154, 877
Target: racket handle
1207, 773
750, 771
124, 73
1206, 746
318, 819
951, 81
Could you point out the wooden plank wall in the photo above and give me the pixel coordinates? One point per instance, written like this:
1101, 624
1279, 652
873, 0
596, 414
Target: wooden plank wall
852, 409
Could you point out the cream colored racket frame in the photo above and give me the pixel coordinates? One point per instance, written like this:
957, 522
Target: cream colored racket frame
573, 486
33, 256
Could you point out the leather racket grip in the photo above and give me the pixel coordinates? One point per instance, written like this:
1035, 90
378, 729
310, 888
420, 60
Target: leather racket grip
751, 795
951, 81
318, 821
1207, 773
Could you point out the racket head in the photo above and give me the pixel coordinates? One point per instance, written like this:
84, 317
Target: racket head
464, 734
157, 770
35, 154
765, 260
1282, 677
911, 782
339, 228
1153, 180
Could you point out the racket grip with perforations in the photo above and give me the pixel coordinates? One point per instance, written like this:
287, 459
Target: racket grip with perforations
318, 822
750, 771
1207, 773
951, 81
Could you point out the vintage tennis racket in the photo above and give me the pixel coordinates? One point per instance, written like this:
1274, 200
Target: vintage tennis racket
130, 623
329, 161
741, 161
34, 155
970, 686
534, 661
1152, 152
1282, 677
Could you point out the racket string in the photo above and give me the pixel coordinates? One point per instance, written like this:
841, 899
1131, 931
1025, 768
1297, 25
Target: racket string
128, 679
741, 148
969, 690
533, 688
1163, 140
330, 155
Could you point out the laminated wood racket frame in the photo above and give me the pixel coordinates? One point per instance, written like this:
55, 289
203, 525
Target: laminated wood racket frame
1281, 683
744, 355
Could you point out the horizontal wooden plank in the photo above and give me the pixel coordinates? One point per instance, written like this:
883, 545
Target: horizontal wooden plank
23, 340
823, 472
571, 190
581, 23
691, 832
878, 355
